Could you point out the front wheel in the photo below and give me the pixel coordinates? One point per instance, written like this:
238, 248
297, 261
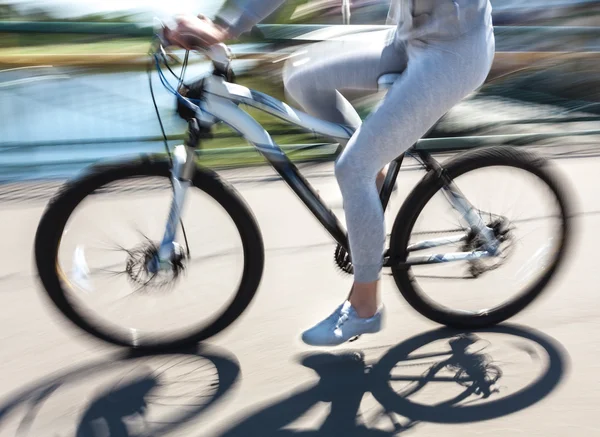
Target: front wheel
443, 268
95, 240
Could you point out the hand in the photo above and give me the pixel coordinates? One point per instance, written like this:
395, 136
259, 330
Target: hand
195, 33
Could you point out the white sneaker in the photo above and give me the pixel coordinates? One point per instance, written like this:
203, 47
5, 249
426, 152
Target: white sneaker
342, 325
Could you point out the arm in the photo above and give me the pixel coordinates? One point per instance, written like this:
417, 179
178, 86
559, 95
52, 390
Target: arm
234, 18
239, 16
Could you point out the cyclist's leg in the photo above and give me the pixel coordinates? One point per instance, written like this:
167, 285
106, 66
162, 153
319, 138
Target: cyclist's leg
438, 76
314, 76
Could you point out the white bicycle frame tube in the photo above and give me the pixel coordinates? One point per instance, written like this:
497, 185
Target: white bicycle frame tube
218, 91
183, 165
221, 104
221, 101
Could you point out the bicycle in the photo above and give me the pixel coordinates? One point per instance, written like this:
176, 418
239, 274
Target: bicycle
484, 239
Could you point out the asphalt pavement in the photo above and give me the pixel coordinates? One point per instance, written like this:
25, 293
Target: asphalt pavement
534, 376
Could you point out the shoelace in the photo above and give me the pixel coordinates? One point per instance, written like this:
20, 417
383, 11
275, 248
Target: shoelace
334, 316
343, 318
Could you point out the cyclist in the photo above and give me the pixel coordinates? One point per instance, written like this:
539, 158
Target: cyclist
444, 50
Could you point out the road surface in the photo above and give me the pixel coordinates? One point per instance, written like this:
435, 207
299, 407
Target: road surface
257, 379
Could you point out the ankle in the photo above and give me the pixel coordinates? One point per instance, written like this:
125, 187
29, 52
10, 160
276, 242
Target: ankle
364, 310
364, 299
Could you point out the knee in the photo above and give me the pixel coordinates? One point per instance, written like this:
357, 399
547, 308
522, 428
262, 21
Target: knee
342, 168
357, 165
349, 170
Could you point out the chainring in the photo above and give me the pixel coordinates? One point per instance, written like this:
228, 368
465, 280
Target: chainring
343, 261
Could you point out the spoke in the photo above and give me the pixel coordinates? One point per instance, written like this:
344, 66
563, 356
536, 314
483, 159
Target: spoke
428, 379
111, 273
526, 234
422, 356
183, 359
446, 278
146, 238
442, 231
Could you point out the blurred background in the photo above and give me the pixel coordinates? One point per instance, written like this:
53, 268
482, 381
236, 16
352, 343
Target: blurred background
75, 89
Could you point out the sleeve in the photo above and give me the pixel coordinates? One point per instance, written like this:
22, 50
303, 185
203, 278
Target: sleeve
241, 15
394, 12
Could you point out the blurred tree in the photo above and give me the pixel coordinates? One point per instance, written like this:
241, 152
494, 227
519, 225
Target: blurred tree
8, 11
37, 13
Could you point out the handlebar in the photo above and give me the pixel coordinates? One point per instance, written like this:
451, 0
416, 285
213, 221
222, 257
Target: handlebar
188, 95
219, 54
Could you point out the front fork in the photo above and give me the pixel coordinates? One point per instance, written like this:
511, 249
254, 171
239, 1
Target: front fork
182, 173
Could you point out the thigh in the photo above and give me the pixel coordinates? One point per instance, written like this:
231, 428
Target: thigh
354, 63
437, 78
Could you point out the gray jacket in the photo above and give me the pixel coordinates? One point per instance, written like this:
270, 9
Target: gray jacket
415, 19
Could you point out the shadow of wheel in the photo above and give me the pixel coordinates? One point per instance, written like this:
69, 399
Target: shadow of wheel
450, 411
208, 373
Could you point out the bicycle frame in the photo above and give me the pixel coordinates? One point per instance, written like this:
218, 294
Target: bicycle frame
220, 103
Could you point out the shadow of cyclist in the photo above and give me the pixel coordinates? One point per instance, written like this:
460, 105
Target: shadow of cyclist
114, 406
343, 383
345, 378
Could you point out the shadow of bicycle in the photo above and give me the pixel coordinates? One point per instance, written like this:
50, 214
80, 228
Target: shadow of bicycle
441, 376
123, 396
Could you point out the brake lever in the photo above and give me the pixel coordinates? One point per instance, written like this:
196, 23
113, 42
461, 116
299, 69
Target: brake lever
163, 43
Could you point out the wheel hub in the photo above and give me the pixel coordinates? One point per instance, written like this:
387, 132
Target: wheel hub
502, 229
145, 269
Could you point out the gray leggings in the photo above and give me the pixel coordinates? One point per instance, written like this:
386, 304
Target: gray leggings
436, 76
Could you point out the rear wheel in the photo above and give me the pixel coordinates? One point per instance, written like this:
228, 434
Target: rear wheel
503, 285
95, 239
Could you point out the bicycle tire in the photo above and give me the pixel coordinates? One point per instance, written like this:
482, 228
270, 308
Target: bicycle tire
422, 194
60, 208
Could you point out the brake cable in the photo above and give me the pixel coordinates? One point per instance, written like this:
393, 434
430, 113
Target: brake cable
162, 129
